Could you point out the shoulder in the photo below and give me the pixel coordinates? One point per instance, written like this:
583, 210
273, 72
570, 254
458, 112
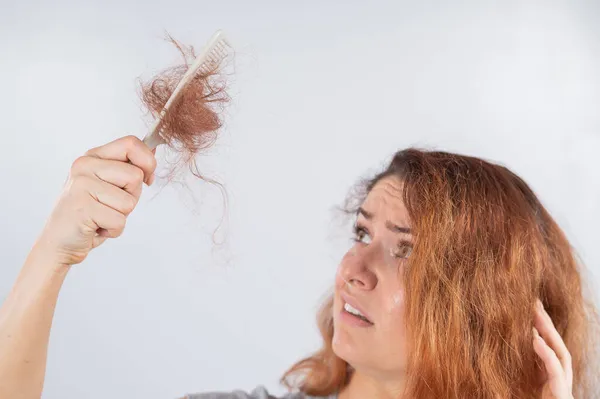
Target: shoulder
258, 393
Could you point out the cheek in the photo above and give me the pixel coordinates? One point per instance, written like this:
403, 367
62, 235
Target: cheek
397, 300
393, 312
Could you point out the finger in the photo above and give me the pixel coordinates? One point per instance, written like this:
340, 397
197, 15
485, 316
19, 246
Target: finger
552, 364
112, 196
118, 173
128, 149
110, 223
546, 329
124, 176
151, 181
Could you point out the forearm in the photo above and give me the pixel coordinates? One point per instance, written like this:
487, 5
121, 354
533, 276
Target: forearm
25, 321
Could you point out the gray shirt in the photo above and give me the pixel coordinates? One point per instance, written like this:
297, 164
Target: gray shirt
258, 393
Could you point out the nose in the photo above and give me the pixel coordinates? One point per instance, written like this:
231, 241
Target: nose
355, 270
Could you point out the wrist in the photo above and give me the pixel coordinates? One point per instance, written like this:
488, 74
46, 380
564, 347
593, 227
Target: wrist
41, 275
45, 256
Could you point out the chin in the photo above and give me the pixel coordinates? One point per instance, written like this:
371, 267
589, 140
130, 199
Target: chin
359, 357
345, 346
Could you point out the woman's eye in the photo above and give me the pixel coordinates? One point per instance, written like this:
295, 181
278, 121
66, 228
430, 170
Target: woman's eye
362, 235
403, 251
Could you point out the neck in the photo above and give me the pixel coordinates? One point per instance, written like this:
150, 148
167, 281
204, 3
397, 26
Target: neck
364, 385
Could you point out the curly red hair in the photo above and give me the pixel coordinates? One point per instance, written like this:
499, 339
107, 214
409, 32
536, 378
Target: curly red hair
485, 249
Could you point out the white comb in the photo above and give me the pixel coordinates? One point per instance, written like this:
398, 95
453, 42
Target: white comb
209, 58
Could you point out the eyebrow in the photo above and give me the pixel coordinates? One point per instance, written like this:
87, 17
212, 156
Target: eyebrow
391, 226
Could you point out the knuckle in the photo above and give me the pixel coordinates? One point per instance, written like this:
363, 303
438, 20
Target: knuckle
131, 141
137, 175
80, 182
120, 223
129, 204
90, 152
80, 163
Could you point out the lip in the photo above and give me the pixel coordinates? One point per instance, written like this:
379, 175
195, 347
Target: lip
352, 302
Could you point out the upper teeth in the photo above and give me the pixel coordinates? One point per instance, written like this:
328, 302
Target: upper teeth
352, 310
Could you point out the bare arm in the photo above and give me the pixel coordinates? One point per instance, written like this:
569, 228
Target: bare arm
25, 320
103, 189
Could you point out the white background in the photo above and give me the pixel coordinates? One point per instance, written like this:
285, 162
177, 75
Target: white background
324, 93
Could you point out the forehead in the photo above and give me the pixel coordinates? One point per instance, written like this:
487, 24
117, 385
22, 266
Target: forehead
385, 201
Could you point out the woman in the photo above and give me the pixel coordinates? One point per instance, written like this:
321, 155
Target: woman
437, 298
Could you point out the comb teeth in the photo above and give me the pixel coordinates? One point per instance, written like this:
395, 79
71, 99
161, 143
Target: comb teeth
217, 53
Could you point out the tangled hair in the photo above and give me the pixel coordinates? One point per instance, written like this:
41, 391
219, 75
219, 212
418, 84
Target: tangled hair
485, 249
194, 119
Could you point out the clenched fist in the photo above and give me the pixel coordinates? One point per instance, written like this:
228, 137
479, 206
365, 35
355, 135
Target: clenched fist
103, 188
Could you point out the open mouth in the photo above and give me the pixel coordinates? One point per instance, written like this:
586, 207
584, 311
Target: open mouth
349, 309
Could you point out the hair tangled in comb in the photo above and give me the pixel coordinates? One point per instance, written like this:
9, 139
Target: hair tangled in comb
193, 120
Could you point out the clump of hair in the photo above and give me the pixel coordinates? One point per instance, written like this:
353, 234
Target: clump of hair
194, 119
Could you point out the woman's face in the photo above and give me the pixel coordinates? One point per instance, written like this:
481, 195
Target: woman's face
369, 280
